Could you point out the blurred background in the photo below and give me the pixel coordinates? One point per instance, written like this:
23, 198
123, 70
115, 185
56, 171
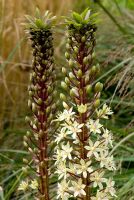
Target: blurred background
114, 52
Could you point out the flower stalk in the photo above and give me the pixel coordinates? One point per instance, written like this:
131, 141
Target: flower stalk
41, 101
82, 154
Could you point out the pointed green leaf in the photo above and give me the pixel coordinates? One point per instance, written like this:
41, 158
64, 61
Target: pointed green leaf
39, 23
77, 17
37, 13
77, 26
83, 14
93, 15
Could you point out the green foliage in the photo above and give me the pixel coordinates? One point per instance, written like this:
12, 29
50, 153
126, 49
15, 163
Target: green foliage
123, 3
45, 21
78, 20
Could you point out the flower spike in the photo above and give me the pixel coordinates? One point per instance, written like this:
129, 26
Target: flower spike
41, 102
82, 155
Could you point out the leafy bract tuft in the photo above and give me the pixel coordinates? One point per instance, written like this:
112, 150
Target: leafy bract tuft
45, 21
78, 20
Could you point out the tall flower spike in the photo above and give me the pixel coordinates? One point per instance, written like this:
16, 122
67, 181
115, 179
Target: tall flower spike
41, 102
82, 135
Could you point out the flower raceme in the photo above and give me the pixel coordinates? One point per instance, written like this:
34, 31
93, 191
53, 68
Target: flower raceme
41, 102
70, 165
83, 144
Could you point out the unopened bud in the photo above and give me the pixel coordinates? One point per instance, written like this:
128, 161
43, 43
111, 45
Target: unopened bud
41, 133
31, 77
39, 101
30, 93
34, 108
25, 170
29, 103
28, 133
33, 74
97, 103
50, 117
27, 119
25, 144
85, 60
98, 87
48, 109
67, 34
79, 73
71, 75
25, 161
64, 71
25, 138
54, 95
65, 105
67, 55
71, 63
88, 89
73, 39
67, 81
64, 85
39, 68
43, 77
68, 46
35, 88
93, 69
73, 92
42, 164
83, 39
54, 106
86, 79
76, 50
34, 126
50, 89
30, 150
93, 55
62, 97
44, 62
69, 41
36, 150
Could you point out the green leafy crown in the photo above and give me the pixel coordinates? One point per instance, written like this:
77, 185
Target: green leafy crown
78, 20
45, 21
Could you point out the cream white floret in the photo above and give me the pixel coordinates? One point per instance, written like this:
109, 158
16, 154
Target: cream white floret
63, 186
94, 126
78, 188
84, 168
108, 139
92, 148
34, 184
62, 134
98, 179
104, 112
110, 187
74, 128
71, 166
24, 185
61, 170
66, 151
66, 115
101, 195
